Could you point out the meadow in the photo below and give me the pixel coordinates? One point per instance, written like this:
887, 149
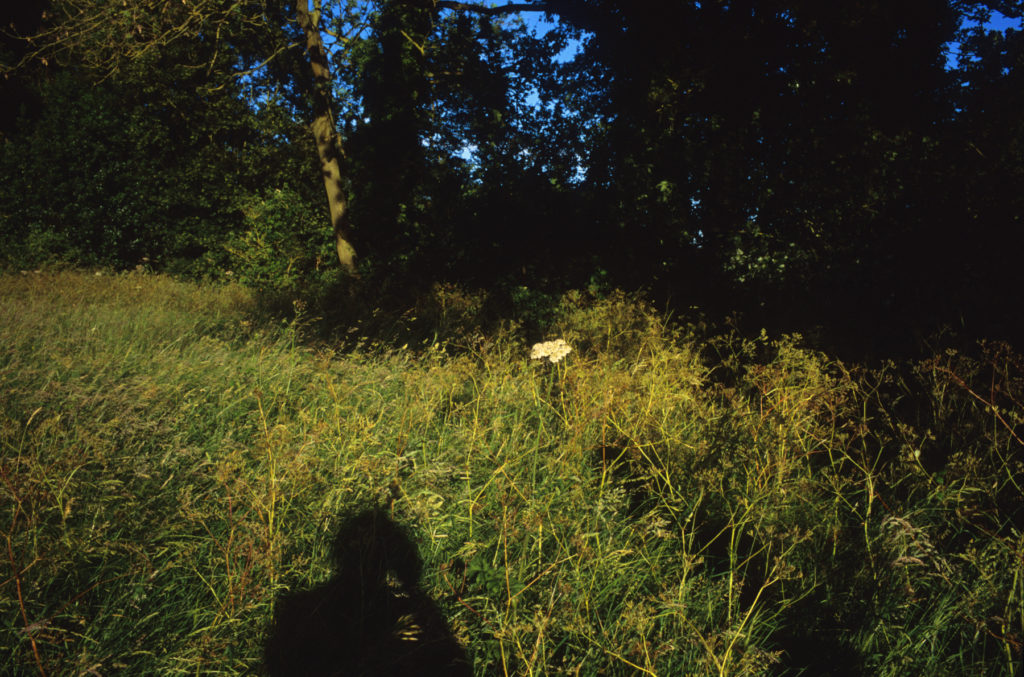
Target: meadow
668, 499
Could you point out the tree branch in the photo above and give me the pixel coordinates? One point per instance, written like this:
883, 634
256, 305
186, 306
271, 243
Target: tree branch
493, 11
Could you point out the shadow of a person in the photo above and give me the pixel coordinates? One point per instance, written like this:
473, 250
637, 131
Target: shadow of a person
370, 619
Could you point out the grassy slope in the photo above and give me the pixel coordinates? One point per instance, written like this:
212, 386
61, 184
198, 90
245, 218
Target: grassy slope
654, 504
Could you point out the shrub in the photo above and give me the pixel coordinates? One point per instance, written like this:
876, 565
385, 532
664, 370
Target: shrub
285, 246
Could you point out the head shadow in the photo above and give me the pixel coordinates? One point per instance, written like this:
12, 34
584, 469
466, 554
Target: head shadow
370, 618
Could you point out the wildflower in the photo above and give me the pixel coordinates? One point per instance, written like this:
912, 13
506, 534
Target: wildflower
553, 350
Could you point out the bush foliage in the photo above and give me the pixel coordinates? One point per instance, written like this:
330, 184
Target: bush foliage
285, 246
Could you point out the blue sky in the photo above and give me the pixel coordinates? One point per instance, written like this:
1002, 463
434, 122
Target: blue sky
998, 22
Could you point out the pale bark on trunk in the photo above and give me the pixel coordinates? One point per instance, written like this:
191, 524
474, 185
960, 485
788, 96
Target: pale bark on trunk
328, 146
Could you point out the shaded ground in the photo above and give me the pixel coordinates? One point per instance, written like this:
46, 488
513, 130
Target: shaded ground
370, 618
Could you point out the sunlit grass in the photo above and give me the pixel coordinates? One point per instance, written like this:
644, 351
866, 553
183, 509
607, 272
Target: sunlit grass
658, 502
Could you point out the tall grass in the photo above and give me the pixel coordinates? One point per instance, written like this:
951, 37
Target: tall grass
661, 502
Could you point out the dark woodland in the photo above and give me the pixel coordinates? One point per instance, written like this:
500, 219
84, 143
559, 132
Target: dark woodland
852, 171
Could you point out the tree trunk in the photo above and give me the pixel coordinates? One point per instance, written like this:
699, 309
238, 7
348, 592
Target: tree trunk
328, 146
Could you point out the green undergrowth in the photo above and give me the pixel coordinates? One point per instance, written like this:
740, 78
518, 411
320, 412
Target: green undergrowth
660, 502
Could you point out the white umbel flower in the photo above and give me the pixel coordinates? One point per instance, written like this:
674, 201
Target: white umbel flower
553, 350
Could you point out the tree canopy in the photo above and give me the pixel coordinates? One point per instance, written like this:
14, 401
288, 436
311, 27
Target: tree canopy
848, 165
